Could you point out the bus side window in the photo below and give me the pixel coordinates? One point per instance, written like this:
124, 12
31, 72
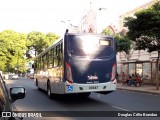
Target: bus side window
38, 64
61, 54
47, 59
61, 48
41, 63
44, 61
55, 56
50, 59
58, 55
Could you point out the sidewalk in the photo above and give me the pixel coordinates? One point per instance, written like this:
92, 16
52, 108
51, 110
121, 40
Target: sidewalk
144, 89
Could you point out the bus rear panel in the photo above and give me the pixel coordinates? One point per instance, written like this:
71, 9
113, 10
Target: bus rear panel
89, 63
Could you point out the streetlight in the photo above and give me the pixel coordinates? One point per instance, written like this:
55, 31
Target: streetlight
102, 9
72, 27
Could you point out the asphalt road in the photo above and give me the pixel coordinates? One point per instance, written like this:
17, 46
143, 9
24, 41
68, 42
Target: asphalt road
121, 101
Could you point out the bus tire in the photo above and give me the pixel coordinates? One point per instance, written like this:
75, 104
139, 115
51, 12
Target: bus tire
50, 95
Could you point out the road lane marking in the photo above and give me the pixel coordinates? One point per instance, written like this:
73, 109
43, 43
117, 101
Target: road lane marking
121, 108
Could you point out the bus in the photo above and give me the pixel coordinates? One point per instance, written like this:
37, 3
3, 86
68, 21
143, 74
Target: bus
78, 63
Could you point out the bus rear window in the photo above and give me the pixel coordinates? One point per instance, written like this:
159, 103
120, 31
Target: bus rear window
90, 45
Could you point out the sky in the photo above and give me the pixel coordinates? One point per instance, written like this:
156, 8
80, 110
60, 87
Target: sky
55, 15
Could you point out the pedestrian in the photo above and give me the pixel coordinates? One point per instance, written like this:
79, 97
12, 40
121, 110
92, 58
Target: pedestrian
133, 79
128, 81
138, 80
123, 76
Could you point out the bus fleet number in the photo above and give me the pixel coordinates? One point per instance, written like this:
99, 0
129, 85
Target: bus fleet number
93, 87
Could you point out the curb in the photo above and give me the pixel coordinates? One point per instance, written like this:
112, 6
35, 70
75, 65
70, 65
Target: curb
140, 91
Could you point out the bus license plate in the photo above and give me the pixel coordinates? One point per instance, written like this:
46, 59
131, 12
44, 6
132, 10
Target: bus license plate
93, 87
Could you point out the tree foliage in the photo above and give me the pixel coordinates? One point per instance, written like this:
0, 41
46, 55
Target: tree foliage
51, 37
39, 41
12, 50
14, 47
124, 44
108, 31
144, 28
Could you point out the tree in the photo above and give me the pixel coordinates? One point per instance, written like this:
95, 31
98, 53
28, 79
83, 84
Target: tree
12, 50
144, 30
124, 45
39, 41
108, 31
51, 37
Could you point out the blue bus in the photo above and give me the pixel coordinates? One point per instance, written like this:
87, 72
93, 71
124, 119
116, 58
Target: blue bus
78, 63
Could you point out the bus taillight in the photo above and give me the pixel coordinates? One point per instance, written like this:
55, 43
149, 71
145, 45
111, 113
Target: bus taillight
113, 72
69, 73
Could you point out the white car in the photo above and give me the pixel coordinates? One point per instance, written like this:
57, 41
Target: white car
15, 76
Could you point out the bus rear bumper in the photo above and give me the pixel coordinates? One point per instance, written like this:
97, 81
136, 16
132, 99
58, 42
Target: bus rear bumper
98, 87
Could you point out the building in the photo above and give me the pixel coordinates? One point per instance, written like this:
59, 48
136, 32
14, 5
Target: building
140, 61
88, 21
